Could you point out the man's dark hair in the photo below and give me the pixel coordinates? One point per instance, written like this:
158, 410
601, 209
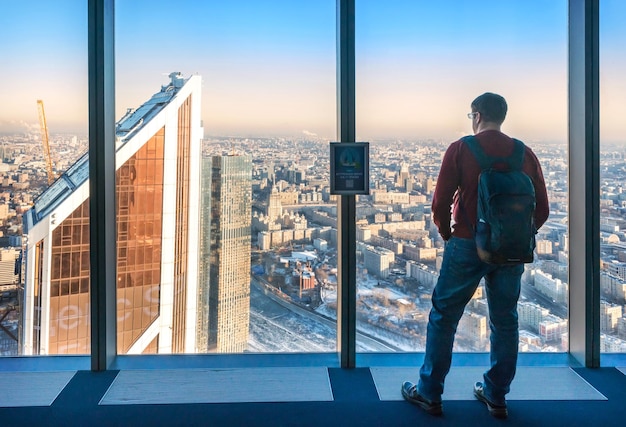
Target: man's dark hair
492, 107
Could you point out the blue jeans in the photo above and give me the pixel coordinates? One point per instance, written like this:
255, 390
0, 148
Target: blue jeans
459, 277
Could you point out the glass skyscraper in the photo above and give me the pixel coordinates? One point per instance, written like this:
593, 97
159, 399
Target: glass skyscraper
157, 184
224, 291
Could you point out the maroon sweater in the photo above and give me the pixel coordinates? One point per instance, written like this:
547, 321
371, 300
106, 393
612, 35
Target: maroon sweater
459, 174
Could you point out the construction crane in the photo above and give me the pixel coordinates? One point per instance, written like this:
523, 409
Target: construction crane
46, 141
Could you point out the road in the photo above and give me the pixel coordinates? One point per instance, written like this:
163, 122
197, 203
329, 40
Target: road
277, 327
535, 296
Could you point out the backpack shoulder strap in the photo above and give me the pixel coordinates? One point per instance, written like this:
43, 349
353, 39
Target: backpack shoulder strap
472, 143
515, 161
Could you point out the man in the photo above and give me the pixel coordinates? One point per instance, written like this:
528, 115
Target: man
462, 269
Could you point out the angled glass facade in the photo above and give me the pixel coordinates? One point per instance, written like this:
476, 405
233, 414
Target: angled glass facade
139, 193
68, 327
61, 302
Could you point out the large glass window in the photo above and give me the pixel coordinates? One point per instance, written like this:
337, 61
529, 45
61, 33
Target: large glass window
237, 240
44, 234
612, 173
226, 231
418, 67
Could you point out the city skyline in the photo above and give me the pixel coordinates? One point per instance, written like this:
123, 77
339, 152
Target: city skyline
391, 189
270, 70
392, 220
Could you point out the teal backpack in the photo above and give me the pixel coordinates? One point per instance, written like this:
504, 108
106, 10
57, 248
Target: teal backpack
505, 227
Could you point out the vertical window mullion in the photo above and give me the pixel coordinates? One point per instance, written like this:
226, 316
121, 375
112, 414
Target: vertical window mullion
584, 181
102, 182
346, 208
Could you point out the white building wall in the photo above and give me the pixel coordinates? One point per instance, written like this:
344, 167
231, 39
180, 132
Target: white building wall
196, 135
169, 227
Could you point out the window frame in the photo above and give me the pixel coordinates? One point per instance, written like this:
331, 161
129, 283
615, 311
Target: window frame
584, 211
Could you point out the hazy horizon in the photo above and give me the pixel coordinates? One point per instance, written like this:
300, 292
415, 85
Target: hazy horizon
269, 67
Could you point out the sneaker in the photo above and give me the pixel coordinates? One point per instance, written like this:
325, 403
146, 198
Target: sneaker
410, 393
498, 411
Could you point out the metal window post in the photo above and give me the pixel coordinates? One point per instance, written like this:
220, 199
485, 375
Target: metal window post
102, 233
584, 182
346, 208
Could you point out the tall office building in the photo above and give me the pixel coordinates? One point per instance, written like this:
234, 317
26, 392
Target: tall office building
275, 205
224, 291
403, 175
157, 192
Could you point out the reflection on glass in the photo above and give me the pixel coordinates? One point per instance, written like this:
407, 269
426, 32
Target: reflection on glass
612, 174
159, 149
139, 193
417, 72
69, 286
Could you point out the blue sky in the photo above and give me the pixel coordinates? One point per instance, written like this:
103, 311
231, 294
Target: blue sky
268, 67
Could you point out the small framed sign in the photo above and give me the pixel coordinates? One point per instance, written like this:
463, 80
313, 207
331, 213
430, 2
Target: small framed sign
349, 168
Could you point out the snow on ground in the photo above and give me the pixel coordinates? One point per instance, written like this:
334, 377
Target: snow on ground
288, 334
276, 329
401, 343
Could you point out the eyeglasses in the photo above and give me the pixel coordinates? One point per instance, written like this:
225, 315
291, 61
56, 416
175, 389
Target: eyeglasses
472, 115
